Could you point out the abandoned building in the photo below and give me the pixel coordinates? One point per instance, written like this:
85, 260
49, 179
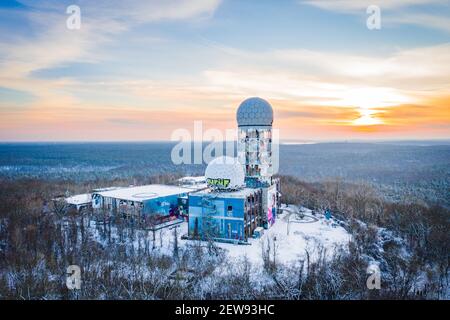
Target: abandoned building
242, 193
158, 203
235, 200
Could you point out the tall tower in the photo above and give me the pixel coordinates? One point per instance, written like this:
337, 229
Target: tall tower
255, 118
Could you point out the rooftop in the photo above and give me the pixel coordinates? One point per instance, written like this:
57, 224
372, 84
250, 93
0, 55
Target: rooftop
106, 189
199, 179
193, 183
143, 193
242, 193
195, 187
79, 199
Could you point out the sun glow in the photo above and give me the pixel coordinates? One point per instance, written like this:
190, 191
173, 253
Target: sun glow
367, 118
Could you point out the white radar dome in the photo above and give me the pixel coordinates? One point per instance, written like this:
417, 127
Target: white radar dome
225, 173
254, 112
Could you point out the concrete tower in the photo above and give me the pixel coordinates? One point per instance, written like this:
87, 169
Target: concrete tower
254, 118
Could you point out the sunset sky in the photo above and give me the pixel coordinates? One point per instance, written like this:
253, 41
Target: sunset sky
138, 70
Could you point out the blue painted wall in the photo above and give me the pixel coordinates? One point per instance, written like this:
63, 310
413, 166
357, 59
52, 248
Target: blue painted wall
226, 224
163, 205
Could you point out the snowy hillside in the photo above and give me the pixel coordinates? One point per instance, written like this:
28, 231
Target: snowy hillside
292, 237
290, 234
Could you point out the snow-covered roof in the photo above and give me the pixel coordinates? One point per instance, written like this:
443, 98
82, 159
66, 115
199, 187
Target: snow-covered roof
106, 189
79, 199
199, 179
193, 183
195, 187
143, 193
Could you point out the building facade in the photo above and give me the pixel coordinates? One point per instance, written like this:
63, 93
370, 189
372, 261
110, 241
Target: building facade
243, 195
225, 215
154, 203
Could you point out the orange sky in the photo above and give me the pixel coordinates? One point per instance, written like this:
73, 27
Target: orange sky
141, 74
419, 121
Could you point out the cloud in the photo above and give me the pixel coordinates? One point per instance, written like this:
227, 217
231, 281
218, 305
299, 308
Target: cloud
434, 112
50, 44
321, 90
361, 5
323, 78
425, 20
54, 44
133, 11
394, 12
293, 110
308, 88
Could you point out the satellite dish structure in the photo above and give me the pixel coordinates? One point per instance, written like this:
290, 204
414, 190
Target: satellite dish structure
225, 173
254, 112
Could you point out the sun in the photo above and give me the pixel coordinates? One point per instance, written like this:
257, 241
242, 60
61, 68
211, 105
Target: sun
367, 118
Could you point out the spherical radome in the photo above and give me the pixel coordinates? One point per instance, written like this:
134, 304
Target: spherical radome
254, 112
225, 173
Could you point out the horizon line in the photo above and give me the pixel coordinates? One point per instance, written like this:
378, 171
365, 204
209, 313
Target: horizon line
292, 141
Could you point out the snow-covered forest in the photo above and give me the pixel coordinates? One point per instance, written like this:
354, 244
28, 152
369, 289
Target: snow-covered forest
409, 242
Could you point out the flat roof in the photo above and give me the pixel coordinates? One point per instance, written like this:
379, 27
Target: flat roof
193, 183
195, 187
143, 193
198, 179
79, 199
106, 189
242, 193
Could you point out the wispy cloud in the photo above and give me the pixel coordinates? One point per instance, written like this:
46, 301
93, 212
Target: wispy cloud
358, 5
421, 19
51, 44
339, 79
394, 12
55, 44
133, 11
321, 91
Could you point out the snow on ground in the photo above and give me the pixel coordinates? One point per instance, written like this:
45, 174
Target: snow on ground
292, 239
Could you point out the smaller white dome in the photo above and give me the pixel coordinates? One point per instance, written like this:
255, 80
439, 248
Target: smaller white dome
225, 173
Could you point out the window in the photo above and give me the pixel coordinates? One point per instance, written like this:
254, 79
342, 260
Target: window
230, 210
